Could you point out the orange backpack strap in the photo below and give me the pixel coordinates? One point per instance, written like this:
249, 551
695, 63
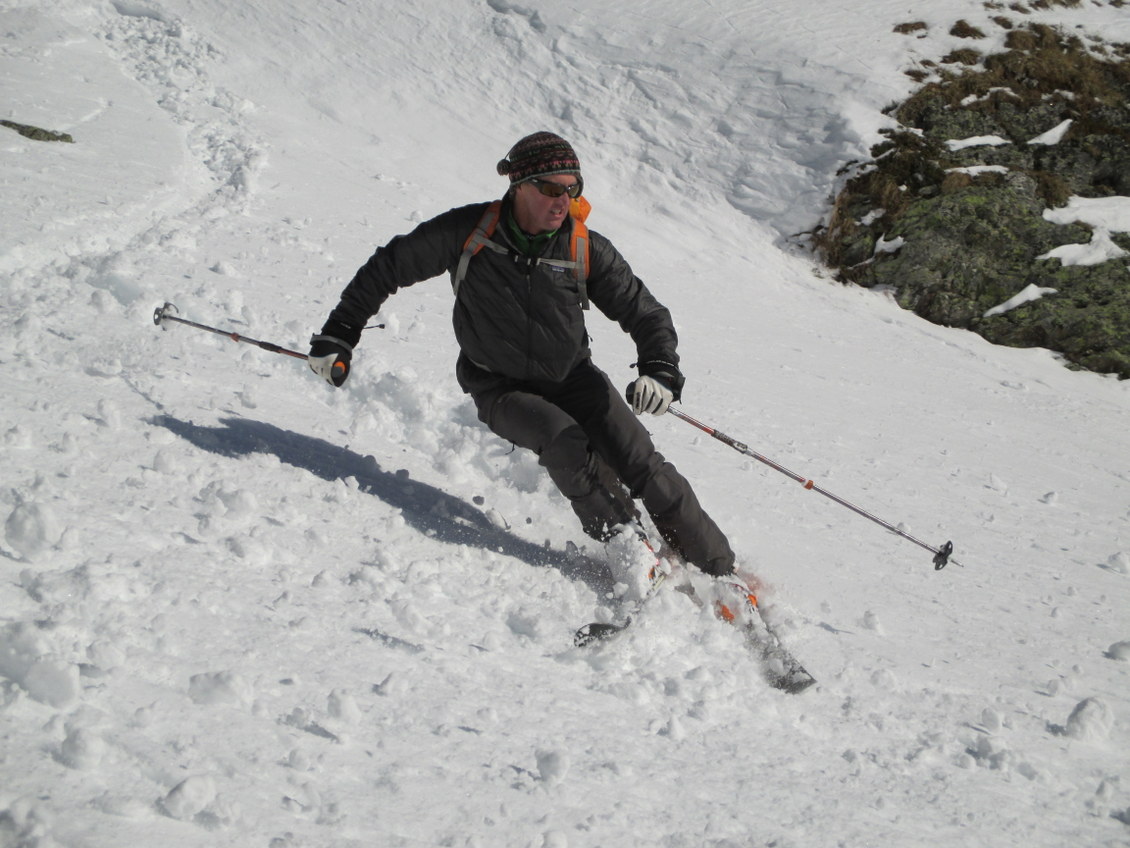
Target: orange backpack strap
479, 238
578, 250
580, 209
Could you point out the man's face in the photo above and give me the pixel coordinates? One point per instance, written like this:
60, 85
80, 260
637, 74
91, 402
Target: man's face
536, 212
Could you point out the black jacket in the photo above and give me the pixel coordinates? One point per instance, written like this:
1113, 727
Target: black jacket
513, 319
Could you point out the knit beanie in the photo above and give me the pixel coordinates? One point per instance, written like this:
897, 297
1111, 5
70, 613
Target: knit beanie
539, 155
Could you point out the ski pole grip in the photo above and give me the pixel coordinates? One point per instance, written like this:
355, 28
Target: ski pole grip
163, 312
943, 556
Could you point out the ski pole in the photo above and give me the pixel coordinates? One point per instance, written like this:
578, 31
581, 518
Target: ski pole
165, 313
941, 555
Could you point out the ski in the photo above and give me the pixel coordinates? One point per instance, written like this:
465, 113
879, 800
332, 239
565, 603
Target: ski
779, 667
599, 631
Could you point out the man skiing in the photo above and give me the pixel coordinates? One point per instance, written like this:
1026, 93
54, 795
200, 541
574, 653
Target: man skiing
522, 284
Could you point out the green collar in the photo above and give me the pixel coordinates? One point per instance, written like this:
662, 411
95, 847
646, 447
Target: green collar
526, 243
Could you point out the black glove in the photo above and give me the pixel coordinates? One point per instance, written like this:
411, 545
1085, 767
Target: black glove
331, 350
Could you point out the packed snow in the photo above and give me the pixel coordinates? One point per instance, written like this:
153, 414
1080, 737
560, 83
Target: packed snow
241, 608
1027, 294
1105, 215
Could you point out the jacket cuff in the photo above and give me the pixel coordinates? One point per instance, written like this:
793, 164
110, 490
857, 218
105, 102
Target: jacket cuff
668, 372
342, 332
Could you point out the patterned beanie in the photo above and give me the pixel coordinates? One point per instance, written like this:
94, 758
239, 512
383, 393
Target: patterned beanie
539, 155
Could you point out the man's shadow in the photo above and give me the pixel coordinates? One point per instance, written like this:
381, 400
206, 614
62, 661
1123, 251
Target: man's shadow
429, 510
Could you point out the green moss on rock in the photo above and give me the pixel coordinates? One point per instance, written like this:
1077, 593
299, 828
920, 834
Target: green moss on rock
969, 238
37, 133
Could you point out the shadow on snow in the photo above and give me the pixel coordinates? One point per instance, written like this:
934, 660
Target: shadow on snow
425, 508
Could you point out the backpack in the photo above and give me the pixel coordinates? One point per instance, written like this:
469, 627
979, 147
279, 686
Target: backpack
480, 237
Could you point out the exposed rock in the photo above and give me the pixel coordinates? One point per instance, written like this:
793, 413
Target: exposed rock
950, 212
37, 133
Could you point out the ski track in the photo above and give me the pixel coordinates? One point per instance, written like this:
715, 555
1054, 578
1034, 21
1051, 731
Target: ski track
242, 608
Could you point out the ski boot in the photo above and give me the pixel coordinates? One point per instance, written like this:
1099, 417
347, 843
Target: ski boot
736, 600
633, 560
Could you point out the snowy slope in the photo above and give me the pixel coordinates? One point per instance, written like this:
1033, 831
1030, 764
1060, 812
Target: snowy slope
241, 608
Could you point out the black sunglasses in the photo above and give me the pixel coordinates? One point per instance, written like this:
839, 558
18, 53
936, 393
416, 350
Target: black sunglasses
551, 189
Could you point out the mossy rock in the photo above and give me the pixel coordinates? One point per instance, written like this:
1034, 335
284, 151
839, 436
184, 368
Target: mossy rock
1087, 320
970, 238
37, 133
937, 274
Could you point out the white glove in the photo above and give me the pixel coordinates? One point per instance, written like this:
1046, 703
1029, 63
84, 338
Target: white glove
329, 359
650, 395
330, 368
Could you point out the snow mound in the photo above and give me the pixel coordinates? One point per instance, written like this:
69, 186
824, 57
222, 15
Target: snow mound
25, 660
1091, 721
31, 529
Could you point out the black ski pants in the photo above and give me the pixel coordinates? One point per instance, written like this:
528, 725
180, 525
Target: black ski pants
594, 447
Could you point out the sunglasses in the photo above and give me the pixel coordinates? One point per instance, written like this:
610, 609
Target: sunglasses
551, 189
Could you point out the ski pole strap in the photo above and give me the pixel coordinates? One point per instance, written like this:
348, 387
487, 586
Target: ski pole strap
332, 340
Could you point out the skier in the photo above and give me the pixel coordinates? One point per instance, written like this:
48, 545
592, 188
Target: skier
521, 286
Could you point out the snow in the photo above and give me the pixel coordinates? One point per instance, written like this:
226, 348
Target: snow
976, 141
1054, 135
892, 246
1105, 215
978, 170
242, 608
1101, 248
1027, 294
